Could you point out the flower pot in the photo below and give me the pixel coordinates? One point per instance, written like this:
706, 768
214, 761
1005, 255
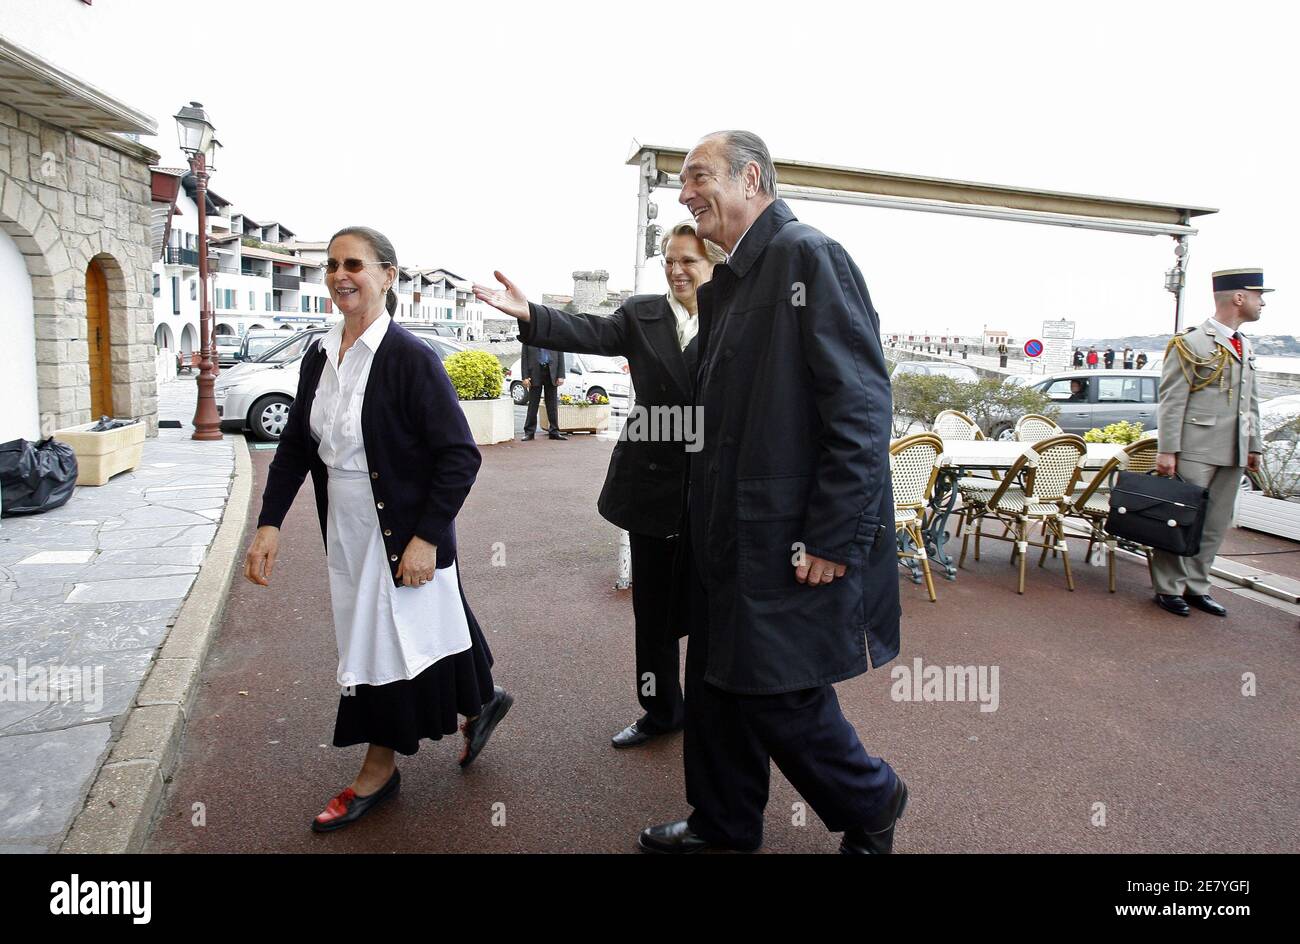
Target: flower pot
591, 418
1257, 511
100, 456
490, 421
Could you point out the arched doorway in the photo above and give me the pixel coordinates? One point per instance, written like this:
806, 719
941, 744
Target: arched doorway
97, 338
188, 341
162, 338
19, 409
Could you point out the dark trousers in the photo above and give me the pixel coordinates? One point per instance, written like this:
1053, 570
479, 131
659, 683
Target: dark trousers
730, 740
552, 403
657, 648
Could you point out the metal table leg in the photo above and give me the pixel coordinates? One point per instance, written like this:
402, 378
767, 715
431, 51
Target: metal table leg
942, 503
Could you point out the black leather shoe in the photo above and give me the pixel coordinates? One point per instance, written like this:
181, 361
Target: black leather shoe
480, 729
347, 807
526, 437
677, 839
1174, 604
554, 435
879, 841
635, 734
1203, 601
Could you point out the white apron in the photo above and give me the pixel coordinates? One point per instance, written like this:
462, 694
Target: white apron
385, 633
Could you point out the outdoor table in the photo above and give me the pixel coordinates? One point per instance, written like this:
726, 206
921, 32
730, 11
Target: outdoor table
961, 457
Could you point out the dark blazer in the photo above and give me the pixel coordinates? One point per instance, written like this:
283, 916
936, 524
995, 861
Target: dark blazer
421, 454
797, 411
531, 369
643, 487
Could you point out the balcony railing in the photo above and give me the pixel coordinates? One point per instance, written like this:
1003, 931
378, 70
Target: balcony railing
186, 257
286, 281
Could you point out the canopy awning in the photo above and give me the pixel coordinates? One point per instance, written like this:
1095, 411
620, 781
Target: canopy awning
830, 183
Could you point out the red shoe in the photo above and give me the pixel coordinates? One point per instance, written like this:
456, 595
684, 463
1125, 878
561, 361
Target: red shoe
347, 807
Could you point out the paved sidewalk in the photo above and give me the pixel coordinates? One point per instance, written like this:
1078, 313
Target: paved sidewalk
94, 586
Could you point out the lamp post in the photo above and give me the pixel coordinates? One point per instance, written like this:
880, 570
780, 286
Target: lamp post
199, 144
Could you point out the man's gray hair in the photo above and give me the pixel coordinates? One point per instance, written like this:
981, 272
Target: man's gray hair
712, 250
741, 147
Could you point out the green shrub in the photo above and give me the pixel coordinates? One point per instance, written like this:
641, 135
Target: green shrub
476, 375
1121, 433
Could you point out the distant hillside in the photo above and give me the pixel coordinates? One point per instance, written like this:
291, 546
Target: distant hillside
1265, 344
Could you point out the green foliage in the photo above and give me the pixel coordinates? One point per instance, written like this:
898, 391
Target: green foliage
922, 397
1121, 433
476, 375
1279, 464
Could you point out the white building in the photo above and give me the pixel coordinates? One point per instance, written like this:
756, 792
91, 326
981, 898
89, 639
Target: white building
438, 295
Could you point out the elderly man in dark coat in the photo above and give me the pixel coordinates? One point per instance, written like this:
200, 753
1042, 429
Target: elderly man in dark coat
790, 573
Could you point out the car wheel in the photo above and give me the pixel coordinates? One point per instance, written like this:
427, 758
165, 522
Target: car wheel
518, 393
268, 416
1004, 432
595, 393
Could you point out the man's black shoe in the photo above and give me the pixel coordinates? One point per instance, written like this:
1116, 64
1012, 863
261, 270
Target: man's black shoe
677, 839
1174, 604
526, 437
635, 734
558, 435
879, 841
1203, 601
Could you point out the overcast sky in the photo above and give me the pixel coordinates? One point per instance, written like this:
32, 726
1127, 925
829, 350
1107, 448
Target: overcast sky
495, 134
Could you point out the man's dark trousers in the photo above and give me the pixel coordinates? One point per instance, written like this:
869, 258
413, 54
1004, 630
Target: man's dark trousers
730, 739
552, 403
658, 650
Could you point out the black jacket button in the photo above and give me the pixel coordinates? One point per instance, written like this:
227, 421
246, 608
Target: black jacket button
374, 475
379, 505
387, 533
393, 558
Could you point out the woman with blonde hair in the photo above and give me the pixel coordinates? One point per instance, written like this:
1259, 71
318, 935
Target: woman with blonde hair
643, 488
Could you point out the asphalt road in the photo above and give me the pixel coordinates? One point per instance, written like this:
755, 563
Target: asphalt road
1102, 699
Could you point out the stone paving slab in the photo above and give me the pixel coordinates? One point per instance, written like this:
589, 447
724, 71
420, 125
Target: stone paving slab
91, 590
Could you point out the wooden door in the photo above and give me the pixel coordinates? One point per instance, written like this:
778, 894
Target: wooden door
101, 364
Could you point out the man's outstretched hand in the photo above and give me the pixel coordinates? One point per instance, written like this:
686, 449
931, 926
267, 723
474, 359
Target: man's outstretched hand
512, 300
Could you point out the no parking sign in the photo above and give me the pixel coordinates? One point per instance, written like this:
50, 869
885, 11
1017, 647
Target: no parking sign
1033, 347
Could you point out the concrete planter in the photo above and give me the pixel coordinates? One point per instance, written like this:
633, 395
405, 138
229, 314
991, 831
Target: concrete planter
591, 419
490, 421
1257, 511
100, 456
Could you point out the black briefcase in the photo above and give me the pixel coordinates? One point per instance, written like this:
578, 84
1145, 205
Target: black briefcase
1159, 512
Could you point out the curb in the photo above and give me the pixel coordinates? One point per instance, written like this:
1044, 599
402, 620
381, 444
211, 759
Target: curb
129, 789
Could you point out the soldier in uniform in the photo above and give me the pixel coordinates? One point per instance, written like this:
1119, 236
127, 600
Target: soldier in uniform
1208, 423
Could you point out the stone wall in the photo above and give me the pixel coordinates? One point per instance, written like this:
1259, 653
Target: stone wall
67, 200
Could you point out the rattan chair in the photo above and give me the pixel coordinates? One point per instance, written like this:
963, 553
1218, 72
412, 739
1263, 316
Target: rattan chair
1050, 469
1034, 428
1092, 502
954, 424
913, 469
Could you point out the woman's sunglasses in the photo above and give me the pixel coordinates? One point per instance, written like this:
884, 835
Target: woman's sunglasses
351, 265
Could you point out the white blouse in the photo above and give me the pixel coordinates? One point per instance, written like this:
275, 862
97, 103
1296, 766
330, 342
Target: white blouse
336, 411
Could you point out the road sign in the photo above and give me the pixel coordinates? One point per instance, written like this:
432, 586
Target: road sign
1033, 347
1058, 345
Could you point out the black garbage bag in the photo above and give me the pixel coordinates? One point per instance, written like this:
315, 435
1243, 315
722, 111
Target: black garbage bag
35, 477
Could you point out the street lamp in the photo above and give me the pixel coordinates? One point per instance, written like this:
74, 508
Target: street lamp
200, 145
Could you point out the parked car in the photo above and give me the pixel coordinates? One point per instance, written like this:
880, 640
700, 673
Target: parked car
936, 369
586, 375
257, 397
228, 346
1091, 399
257, 343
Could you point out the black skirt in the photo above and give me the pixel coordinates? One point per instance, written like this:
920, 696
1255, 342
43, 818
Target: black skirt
399, 714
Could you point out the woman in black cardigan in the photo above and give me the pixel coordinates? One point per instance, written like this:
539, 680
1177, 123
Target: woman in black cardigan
643, 488
377, 425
